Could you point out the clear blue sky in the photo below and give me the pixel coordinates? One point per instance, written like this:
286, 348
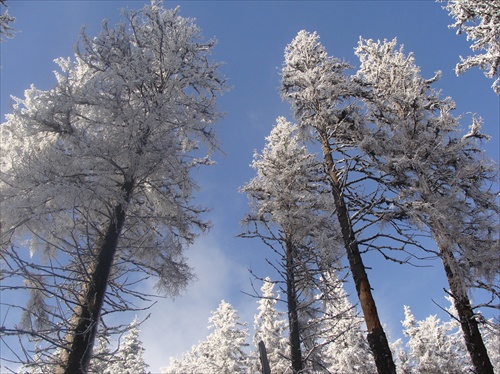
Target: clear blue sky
252, 36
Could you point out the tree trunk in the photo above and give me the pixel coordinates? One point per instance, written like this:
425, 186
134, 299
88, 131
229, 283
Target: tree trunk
470, 326
376, 335
293, 320
86, 315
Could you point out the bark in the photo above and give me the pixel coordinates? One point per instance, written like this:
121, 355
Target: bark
293, 320
376, 335
469, 324
86, 315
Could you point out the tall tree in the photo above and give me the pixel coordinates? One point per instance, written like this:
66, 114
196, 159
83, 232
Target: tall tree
270, 327
289, 212
222, 351
480, 19
96, 176
443, 182
323, 101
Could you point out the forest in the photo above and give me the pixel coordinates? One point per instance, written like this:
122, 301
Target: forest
98, 204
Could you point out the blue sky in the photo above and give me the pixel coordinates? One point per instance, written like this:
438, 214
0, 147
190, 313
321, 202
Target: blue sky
252, 37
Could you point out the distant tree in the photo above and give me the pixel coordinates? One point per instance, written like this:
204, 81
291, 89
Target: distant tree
346, 349
129, 356
6, 31
325, 104
270, 327
290, 213
480, 19
222, 351
95, 185
434, 346
101, 356
490, 330
443, 182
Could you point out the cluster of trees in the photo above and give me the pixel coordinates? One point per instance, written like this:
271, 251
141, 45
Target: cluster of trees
429, 346
396, 173
96, 197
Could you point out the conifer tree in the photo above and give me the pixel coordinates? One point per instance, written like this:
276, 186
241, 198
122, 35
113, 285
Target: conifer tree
270, 327
129, 357
346, 349
291, 212
480, 19
434, 347
323, 100
222, 351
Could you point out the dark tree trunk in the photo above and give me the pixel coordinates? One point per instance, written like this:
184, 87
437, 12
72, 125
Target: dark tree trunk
293, 320
470, 326
376, 335
87, 314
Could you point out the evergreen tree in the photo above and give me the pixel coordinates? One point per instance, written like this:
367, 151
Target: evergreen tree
6, 31
346, 349
292, 213
222, 351
324, 102
270, 327
129, 357
434, 346
480, 19
101, 356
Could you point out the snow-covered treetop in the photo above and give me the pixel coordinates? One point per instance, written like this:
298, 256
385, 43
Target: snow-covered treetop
290, 191
316, 86
133, 107
442, 179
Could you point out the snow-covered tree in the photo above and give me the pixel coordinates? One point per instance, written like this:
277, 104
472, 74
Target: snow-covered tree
101, 356
222, 351
490, 330
324, 102
434, 346
95, 184
129, 356
480, 19
442, 181
291, 212
346, 349
270, 327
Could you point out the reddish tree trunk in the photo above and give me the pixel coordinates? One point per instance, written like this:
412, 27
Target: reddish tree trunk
470, 326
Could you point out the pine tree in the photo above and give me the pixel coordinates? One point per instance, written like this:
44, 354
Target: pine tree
222, 351
324, 102
129, 357
291, 212
480, 19
434, 346
270, 327
346, 349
